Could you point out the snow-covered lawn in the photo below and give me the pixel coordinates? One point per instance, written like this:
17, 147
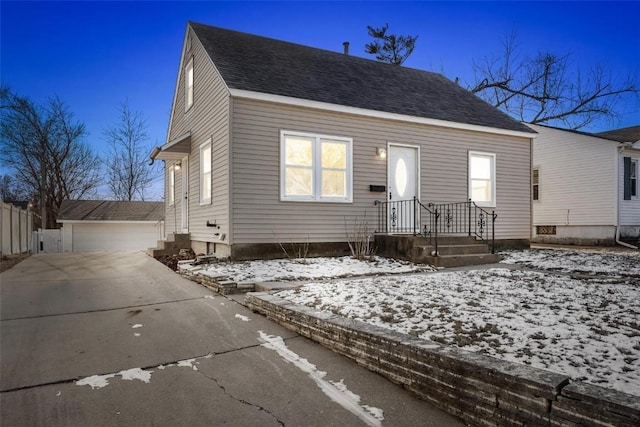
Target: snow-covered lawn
585, 324
592, 261
279, 270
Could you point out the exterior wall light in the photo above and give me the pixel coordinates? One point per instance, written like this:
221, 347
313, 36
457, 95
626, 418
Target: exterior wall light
177, 166
381, 153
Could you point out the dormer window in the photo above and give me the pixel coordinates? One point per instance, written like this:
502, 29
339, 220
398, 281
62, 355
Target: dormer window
188, 85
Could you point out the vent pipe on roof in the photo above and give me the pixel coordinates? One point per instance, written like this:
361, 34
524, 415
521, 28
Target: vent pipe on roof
346, 47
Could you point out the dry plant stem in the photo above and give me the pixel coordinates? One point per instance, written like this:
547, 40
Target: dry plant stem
359, 239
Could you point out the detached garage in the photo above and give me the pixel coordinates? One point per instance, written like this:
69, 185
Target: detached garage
104, 225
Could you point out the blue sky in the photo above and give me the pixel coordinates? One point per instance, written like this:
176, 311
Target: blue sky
94, 55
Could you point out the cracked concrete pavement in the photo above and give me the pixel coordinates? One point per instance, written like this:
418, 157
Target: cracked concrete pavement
98, 316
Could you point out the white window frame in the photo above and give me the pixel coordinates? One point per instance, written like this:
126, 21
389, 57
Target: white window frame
485, 204
316, 195
635, 187
205, 199
188, 85
171, 190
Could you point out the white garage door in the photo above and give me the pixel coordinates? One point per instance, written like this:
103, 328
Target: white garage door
113, 237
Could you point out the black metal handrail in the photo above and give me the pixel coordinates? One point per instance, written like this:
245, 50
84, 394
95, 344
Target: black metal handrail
433, 219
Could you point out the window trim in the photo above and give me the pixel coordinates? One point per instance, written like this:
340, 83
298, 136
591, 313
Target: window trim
203, 147
188, 84
491, 203
317, 168
171, 190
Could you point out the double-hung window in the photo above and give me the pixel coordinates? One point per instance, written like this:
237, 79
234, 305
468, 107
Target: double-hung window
482, 178
171, 196
535, 184
188, 85
205, 173
315, 168
630, 183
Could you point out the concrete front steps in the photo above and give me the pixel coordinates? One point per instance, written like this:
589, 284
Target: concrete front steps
171, 245
454, 250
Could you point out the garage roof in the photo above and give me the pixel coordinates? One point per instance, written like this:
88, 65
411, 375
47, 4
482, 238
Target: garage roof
110, 210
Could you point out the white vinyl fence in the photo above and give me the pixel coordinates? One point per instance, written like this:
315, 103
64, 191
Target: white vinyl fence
16, 229
47, 241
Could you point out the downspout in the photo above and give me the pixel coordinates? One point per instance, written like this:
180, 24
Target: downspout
618, 241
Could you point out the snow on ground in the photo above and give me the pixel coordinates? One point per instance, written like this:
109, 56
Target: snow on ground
307, 269
585, 323
336, 391
587, 327
594, 261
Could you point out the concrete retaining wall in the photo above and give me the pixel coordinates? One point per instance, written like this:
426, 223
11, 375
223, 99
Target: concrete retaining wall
479, 389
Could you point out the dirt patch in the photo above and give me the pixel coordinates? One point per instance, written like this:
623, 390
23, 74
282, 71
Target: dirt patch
9, 261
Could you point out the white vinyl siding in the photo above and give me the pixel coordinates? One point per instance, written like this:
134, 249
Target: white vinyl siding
315, 167
482, 178
205, 173
259, 216
579, 180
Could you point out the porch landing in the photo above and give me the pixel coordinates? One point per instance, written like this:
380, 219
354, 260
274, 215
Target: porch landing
454, 250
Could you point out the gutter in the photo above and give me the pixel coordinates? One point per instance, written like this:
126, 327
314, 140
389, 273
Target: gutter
153, 154
621, 148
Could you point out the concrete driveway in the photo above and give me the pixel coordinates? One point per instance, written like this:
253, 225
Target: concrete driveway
119, 339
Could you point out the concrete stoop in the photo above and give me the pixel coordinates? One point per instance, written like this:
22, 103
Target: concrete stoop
453, 251
171, 245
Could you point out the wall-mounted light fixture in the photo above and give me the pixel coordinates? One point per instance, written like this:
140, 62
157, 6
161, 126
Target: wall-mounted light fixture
381, 153
177, 166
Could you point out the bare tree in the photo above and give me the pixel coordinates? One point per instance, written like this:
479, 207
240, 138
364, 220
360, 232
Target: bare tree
129, 174
44, 148
389, 47
12, 190
548, 89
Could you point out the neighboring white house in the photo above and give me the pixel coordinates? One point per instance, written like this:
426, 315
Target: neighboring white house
585, 187
103, 225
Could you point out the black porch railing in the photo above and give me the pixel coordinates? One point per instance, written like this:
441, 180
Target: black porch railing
433, 219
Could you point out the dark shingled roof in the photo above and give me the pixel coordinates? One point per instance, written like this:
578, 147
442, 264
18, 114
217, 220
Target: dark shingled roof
265, 65
108, 210
630, 134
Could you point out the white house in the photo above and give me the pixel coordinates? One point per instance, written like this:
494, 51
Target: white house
104, 225
585, 187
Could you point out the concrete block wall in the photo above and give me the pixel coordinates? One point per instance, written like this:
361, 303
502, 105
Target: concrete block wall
481, 390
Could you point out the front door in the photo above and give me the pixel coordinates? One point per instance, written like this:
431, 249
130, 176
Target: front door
403, 169
185, 195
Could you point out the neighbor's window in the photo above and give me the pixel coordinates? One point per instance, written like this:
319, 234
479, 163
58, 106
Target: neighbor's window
536, 184
630, 178
633, 177
188, 84
482, 178
171, 197
315, 167
205, 173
